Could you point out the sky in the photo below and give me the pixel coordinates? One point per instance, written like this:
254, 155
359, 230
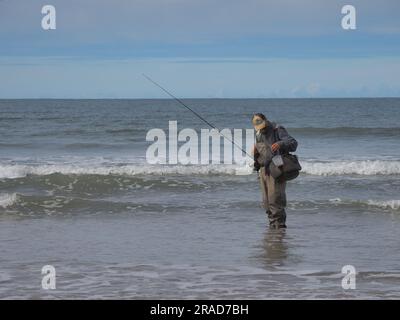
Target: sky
199, 49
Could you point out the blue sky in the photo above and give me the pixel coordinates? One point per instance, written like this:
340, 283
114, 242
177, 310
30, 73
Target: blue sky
223, 49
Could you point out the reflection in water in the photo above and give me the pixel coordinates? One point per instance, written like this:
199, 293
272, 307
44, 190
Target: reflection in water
274, 247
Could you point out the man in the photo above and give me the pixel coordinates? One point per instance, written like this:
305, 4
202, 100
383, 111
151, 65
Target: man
271, 139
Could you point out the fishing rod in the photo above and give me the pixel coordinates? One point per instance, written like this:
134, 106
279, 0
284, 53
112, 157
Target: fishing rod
195, 113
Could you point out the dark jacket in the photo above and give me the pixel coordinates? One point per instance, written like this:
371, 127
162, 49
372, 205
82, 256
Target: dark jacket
267, 137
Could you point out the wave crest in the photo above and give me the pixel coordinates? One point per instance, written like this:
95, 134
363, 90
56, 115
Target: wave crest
383, 204
319, 168
364, 167
20, 171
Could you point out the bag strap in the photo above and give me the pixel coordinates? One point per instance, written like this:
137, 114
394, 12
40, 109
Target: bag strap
276, 137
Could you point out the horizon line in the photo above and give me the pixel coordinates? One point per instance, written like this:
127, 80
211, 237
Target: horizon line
209, 98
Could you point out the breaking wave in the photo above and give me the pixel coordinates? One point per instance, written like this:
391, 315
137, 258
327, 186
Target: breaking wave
19, 171
364, 167
383, 204
319, 168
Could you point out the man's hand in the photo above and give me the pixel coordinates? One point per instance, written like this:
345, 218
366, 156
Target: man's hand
275, 147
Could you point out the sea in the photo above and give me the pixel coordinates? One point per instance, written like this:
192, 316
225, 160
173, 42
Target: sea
78, 193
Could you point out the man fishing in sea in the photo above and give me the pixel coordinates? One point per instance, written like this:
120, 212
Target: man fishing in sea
273, 162
272, 143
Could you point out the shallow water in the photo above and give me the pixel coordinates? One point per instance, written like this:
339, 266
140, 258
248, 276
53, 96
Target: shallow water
76, 193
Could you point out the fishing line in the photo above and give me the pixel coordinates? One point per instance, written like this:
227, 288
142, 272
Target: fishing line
195, 113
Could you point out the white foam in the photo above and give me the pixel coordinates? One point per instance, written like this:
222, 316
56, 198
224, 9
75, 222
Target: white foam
384, 204
7, 200
389, 204
364, 167
19, 171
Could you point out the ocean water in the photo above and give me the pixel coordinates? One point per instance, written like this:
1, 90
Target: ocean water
77, 193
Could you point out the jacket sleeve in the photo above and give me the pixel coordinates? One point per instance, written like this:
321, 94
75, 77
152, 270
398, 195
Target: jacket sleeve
286, 142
